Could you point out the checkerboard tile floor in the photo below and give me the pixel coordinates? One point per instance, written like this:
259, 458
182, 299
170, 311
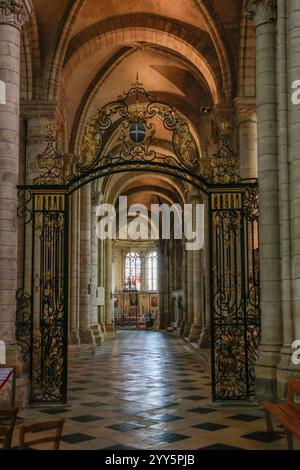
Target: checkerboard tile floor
145, 390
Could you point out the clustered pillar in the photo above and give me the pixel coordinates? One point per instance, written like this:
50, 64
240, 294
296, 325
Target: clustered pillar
74, 298
247, 136
183, 282
196, 327
11, 21
108, 286
278, 121
86, 269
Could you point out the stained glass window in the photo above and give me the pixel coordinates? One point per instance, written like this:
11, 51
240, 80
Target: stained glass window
151, 269
133, 271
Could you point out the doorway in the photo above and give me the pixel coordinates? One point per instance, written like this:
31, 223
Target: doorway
122, 139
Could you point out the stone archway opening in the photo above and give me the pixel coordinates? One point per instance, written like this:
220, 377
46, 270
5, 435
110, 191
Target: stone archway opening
128, 136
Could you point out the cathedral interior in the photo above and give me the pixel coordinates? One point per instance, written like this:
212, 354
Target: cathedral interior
137, 341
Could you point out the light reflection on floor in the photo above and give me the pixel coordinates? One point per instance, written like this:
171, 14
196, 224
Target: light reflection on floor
145, 390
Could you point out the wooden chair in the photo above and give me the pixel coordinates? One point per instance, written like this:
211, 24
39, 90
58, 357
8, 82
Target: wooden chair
7, 425
8, 377
288, 414
55, 437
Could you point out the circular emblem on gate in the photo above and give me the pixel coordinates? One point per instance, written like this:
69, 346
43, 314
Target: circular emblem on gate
137, 132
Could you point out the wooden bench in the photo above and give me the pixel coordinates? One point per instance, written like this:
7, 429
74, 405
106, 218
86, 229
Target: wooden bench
287, 413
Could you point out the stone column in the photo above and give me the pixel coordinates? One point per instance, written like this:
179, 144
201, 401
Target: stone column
161, 279
10, 25
196, 327
190, 294
74, 221
94, 271
197, 291
86, 335
284, 188
171, 264
205, 337
183, 307
101, 273
293, 68
166, 291
108, 286
264, 15
245, 109
42, 119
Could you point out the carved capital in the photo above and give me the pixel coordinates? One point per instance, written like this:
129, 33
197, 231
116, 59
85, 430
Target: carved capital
245, 110
12, 12
262, 11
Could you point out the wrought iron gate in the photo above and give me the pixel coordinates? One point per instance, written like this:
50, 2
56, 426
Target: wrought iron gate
235, 293
42, 308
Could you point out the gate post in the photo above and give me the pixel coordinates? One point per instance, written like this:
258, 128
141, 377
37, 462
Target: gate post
234, 291
12, 16
49, 295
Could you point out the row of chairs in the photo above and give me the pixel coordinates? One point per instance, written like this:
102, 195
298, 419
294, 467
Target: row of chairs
7, 425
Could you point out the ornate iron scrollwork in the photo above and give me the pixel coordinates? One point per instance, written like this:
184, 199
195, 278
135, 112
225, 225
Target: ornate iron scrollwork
49, 294
136, 106
41, 324
24, 211
235, 294
138, 117
51, 163
225, 163
24, 322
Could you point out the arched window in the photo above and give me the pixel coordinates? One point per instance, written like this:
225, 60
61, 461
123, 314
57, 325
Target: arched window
133, 271
151, 270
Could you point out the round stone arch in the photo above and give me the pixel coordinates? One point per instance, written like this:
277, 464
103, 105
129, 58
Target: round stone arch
158, 34
30, 71
123, 36
54, 69
90, 94
115, 184
247, 56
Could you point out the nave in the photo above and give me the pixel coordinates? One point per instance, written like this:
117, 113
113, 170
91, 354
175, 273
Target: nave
148, 390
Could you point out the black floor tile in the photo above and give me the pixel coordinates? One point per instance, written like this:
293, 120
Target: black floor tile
202, 410
265, 437
76, 438
94, 404
126, 426
169, 437
166, 417
220, 446
245, 417
120, 447
195, 398
210, 426
161, 403
86, 418
190, 388
54, 410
